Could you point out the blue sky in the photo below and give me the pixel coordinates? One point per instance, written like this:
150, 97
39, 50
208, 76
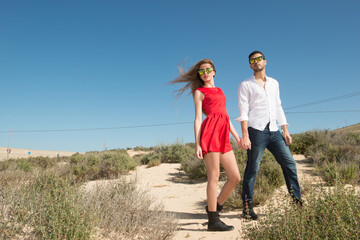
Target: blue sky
72, 65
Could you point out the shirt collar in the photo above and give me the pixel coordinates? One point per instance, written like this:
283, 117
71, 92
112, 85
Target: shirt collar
253, 79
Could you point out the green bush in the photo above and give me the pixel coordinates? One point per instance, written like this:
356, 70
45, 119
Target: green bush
103, 165
329, 173
336, 154
194, 167
137, 158
4, 165
349, 173
353, 137
154, 162
153, 156
43, 162
184, 154
24, 165
54, 206
328, 215
28, 164
49, 207
145, 149
175, 153
302, 141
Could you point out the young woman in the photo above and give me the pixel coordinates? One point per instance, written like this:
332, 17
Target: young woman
212, 136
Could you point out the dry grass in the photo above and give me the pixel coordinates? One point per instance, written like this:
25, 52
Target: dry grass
328, 213
43, 198
126, 213
336, 154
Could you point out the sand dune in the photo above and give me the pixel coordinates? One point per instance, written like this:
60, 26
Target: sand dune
25, 153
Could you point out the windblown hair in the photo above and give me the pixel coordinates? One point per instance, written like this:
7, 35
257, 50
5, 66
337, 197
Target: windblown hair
190, 78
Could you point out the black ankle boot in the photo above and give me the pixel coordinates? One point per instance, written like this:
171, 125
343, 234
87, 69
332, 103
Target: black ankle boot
215, 224
219, 208
248, 211
298, 202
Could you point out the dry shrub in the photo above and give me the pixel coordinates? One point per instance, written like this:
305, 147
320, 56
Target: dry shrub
194, 168
123, 212
327, 214
101, 165
154, 163
177, 153
174, 153
44, 207
336, 156
150, 157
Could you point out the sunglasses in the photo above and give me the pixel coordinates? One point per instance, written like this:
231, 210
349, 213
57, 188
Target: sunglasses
258, 59
202, 71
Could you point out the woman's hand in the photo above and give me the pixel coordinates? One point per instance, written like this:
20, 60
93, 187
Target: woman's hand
240, 143
198, 152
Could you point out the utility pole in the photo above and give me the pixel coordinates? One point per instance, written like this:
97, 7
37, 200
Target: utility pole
8, 150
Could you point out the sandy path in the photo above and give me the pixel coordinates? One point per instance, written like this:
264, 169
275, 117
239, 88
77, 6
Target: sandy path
169, 185
186, 199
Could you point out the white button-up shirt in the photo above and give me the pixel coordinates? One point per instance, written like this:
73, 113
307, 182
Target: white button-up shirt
259, 105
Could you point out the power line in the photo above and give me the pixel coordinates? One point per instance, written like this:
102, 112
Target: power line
180, 123
325, 100
335, 111
149, 125
95, 129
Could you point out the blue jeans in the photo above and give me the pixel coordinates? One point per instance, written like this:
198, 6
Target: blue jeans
275, 143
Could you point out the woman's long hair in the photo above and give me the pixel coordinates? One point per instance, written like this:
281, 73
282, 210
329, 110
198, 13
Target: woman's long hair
191, 78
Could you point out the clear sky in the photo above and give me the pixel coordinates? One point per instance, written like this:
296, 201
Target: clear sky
98, 68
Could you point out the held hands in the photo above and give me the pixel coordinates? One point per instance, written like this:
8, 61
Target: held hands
198, 152
245, 143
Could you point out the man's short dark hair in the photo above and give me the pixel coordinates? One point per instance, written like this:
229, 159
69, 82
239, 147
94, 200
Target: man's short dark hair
255, 52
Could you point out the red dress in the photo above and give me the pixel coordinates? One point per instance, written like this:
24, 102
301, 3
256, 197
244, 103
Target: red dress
215, 129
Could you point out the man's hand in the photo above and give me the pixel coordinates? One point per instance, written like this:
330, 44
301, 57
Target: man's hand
287, 137
245, 143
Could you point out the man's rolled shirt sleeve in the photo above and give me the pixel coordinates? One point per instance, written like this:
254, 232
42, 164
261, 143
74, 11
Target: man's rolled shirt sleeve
280, 115
243, 103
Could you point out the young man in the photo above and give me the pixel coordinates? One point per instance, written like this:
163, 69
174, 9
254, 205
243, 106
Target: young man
260, 115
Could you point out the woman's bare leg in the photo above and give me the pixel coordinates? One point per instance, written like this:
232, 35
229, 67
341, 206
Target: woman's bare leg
228, 161
212, 163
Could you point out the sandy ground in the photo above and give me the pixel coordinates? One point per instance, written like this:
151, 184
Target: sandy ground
186, 199
25, 153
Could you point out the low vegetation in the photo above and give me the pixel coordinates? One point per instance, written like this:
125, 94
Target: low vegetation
327, 214
336, 154
47, 198
177, 153
44, 207
101, 165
